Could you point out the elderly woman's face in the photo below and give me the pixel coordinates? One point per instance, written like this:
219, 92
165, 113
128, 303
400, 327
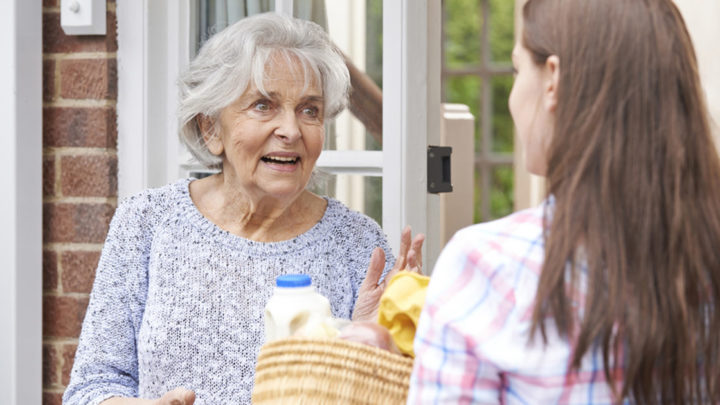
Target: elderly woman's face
271, 143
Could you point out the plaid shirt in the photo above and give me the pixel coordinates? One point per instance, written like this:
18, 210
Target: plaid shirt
472, 344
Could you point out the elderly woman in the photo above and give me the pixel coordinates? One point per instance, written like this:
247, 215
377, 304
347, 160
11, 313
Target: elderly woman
188, 268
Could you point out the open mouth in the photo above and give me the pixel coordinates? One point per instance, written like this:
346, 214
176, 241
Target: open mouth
280, 160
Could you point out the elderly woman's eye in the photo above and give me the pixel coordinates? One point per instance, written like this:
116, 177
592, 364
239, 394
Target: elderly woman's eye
262, 106
310, 111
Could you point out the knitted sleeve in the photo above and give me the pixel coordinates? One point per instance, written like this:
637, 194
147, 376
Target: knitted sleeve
106, 358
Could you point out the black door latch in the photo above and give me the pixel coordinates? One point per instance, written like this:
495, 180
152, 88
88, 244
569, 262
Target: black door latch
438, 169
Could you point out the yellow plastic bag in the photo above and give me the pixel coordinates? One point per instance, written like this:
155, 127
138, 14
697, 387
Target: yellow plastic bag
400, 307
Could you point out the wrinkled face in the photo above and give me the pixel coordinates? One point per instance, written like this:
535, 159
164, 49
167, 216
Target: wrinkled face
531, 110
270, 143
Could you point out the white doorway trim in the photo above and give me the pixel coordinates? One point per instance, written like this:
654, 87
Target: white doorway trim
21, 205
411, 119
150, 58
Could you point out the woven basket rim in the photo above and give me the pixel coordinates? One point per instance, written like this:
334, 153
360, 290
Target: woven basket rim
328, 344
326, 370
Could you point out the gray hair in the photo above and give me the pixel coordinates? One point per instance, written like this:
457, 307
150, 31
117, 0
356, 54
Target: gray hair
223, 68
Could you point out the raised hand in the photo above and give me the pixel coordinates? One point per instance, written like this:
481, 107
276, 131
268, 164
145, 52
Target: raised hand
371, 289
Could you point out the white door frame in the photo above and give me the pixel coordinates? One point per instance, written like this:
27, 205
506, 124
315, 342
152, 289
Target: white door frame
21, 205
411, 119
150, 57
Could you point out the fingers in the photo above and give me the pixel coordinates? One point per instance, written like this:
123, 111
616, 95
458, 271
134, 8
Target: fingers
375, 269
189, 397
416, 247
369, 293
400, 260
413, 262
178, 396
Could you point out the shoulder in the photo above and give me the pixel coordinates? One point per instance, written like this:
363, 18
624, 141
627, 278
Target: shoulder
155, 199
150, 206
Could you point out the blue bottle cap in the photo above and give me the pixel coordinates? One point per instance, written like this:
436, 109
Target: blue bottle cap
293, 280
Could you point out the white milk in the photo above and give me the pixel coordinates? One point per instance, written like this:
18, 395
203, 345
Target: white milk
294, 305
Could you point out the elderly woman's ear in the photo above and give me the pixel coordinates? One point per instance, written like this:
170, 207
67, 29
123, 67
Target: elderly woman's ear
210, 134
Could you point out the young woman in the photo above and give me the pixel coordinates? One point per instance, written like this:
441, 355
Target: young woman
608, 292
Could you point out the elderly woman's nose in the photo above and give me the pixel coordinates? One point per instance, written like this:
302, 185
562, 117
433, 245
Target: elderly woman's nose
288, 126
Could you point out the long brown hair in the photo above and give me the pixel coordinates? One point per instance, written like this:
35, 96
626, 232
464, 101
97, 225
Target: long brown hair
635, 177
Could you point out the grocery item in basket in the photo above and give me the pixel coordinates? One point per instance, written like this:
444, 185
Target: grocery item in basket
322, 328
369, 333
294, 305
400, 307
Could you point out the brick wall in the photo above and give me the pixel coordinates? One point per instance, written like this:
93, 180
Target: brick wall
79, 181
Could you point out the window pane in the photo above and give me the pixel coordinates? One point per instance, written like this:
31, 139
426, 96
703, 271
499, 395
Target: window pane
501, 26
478, 206
501, 192
500, 200
466, 90
502, 123
214, 15
356, 28
462, 25
360, 193
374, 56
311, 10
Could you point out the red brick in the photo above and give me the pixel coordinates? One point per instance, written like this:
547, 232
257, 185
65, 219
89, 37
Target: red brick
89, 176
76, 223
68, 355
55, 40
50, 273
88, 79
80, 127
63, 316
48, 80
50, 365
51, 398
78, 270
48, 173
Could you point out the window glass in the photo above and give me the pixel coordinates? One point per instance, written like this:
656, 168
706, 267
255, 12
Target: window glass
363, 193
478, 41
503, 129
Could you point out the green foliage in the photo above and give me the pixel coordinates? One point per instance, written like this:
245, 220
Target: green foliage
503, 129
501, 192
374, 35
462, 25
501, 29
464, 49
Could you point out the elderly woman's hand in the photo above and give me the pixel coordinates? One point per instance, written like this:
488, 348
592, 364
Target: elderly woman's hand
178, 396
409, 258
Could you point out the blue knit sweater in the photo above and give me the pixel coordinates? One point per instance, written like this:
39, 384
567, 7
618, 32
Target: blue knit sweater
178, 301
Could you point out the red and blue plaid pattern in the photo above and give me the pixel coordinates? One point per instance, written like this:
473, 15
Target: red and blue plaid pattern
472, 344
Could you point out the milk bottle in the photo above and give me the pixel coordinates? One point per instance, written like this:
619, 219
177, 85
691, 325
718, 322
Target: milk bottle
294, 304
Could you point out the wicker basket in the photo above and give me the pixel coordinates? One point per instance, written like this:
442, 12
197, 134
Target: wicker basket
329, 371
